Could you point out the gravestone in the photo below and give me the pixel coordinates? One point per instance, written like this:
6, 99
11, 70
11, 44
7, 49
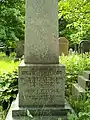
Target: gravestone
79, 89
41, 77
84, 46
19, 49
63, 46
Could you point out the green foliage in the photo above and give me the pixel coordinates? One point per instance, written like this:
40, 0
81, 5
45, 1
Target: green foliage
12, 21
8, 82
81, 107
77, 15
75, 65
71, 117
74, 20
2, 113
8, 89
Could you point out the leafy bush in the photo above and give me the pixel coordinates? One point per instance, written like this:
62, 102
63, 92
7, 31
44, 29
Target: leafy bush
8, 89
75, 65
81, 107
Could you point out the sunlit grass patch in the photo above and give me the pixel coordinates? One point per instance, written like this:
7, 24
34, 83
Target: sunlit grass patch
7, 64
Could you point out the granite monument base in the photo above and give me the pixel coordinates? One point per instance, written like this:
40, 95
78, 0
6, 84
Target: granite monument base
41, 85
26, 113
41, 93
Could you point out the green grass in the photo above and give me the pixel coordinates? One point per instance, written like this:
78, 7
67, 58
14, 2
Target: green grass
76, 63
7, 64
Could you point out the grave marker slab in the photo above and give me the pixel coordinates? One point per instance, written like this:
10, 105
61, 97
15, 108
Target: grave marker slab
19, 49
63, 46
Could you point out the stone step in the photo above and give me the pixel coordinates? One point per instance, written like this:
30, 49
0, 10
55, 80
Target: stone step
77, 91
86, 74
83, 82
26, 113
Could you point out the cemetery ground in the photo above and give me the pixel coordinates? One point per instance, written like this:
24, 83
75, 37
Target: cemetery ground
75, 65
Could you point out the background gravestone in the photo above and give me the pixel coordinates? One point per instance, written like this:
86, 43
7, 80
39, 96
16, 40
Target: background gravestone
19, 49
84, 46
79, 89
63, 46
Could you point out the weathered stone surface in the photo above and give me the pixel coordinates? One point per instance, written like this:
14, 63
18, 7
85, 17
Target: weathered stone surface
41, 85
19, 49
63, 46
87, 74
41, 78
41, 41
83, 82
77, 91
20, 113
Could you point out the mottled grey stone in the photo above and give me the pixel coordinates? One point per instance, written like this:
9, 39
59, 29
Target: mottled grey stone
41, 78
83, 82
19, 113
87, 74
41, 85
19, 49
79, 89
41, 39
78, 92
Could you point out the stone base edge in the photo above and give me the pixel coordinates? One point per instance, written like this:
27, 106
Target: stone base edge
40, 112
16, 112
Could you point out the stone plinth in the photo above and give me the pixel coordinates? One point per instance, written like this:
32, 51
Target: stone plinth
41, 85
26, 113
41, 40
